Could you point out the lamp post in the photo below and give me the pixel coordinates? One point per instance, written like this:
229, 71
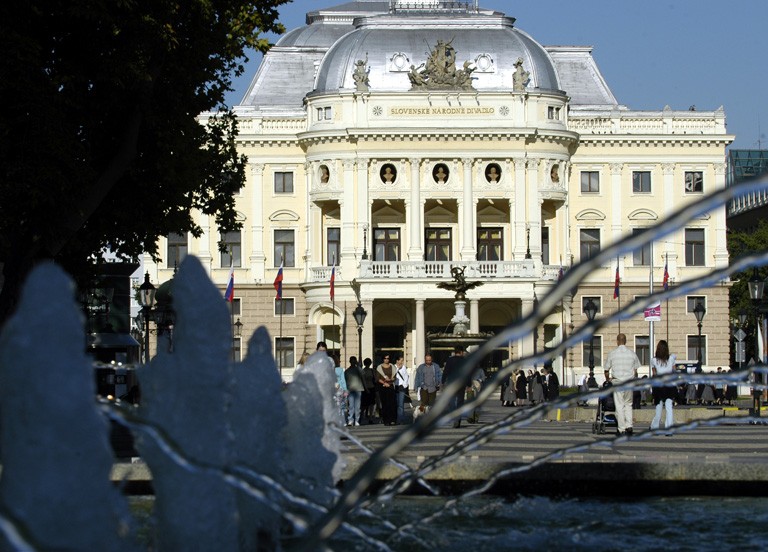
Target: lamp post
147, 301
365, 245
590, 309
360, 313
756, 287
742, 323
699, 311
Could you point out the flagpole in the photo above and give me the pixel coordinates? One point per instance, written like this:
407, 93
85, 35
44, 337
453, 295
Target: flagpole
278, 285
562, 322
616, 290
650, 322
666, 287
333, 300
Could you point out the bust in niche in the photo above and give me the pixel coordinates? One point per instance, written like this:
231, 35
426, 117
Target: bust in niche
388, 173
553, 173
324, 174
440, 173
493, 173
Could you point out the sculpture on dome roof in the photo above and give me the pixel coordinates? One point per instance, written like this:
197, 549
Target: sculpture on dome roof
360, 75
521, 77
439, 72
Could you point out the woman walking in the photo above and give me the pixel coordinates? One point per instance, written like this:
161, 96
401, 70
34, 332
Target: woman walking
663, 397
521, 388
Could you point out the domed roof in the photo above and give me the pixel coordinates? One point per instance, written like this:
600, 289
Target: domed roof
391, 44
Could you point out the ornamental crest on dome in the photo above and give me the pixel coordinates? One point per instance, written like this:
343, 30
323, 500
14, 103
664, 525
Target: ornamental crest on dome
439, 72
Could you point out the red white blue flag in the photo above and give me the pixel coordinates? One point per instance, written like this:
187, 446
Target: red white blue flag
229, 295
333, 279
279, 283
665, 281
616, 284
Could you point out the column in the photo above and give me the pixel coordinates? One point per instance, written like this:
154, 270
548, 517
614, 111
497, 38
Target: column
347, 205
467, 220
616, 194
668, 200
474, 316
534, 210
721, 250
415, 229
363, 215
419, 347
256, 216
525, 343
519, 219
204, 253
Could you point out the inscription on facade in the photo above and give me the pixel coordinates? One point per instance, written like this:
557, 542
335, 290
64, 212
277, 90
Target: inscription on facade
473, 111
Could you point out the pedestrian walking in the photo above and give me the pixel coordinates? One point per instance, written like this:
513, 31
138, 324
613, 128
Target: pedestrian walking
385, 378
426, 381
353, 376
663, 396
402, 381
452, 373
521, 388
621, 365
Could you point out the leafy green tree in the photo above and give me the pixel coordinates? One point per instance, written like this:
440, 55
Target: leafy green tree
742, 243
100, 147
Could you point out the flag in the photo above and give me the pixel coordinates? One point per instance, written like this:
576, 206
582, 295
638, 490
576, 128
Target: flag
229, 295
333, 279
616, 284
665, 281
279, 283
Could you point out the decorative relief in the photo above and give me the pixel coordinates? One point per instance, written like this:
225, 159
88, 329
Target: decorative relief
440, 173
668, 169
360, 75
521, 77
388, 173
493, 173
399, 62
504, 111
439, 71
377, 110
616, 168
257, 169
484, 63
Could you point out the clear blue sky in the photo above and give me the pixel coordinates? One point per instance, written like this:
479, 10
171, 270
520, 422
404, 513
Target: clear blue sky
652, 53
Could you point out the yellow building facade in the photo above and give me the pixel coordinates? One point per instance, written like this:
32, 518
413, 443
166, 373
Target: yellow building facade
396, 140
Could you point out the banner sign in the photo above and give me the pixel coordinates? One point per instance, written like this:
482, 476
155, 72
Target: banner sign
653, 313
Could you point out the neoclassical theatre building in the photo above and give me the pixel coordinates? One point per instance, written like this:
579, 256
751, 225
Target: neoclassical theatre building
396, 140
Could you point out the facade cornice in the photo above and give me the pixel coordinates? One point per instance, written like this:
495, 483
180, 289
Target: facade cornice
456, 135
684, 140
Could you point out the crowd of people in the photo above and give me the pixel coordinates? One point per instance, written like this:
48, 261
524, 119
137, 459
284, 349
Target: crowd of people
368, 394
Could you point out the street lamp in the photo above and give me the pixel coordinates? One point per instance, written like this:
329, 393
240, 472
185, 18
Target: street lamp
590, 309
147, 301
360, 313
756, 287
699, 311
237, 331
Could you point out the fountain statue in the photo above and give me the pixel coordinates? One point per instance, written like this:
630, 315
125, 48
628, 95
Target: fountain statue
460, 334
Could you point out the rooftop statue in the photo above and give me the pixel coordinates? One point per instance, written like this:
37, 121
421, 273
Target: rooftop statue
439, 72
521, 77
360, 75
459, 283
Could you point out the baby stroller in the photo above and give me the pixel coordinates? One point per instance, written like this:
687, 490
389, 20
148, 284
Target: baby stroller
606, 412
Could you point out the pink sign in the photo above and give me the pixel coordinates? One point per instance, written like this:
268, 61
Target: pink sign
653, 313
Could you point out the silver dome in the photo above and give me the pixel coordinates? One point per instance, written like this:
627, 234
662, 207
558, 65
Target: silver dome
392, 43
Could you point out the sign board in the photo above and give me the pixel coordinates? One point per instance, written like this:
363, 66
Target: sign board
652, 313
739, 335
740, 352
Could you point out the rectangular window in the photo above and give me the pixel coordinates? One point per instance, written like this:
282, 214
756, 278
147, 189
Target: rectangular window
596, 300
642, 255
590, 242
386, 244
545, 245
597, 351
490, 244
287, 305
692, 300
694, 182
334, 246
232, 249
234, 306
283, 182
590, 181
643, 349
437, 244
694, 247
693, 348
285, 248
177, 249
237, 344
328, 113
641, 182
284, 352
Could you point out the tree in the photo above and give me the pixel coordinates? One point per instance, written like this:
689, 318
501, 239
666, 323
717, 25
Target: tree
100, 147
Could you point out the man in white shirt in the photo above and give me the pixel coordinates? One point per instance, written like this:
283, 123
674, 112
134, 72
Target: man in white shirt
620, 366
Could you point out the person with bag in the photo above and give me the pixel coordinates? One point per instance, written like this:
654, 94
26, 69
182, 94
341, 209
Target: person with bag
427, 382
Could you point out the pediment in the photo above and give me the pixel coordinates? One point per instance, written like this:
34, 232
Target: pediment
643, 214
590, 214
284, 215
